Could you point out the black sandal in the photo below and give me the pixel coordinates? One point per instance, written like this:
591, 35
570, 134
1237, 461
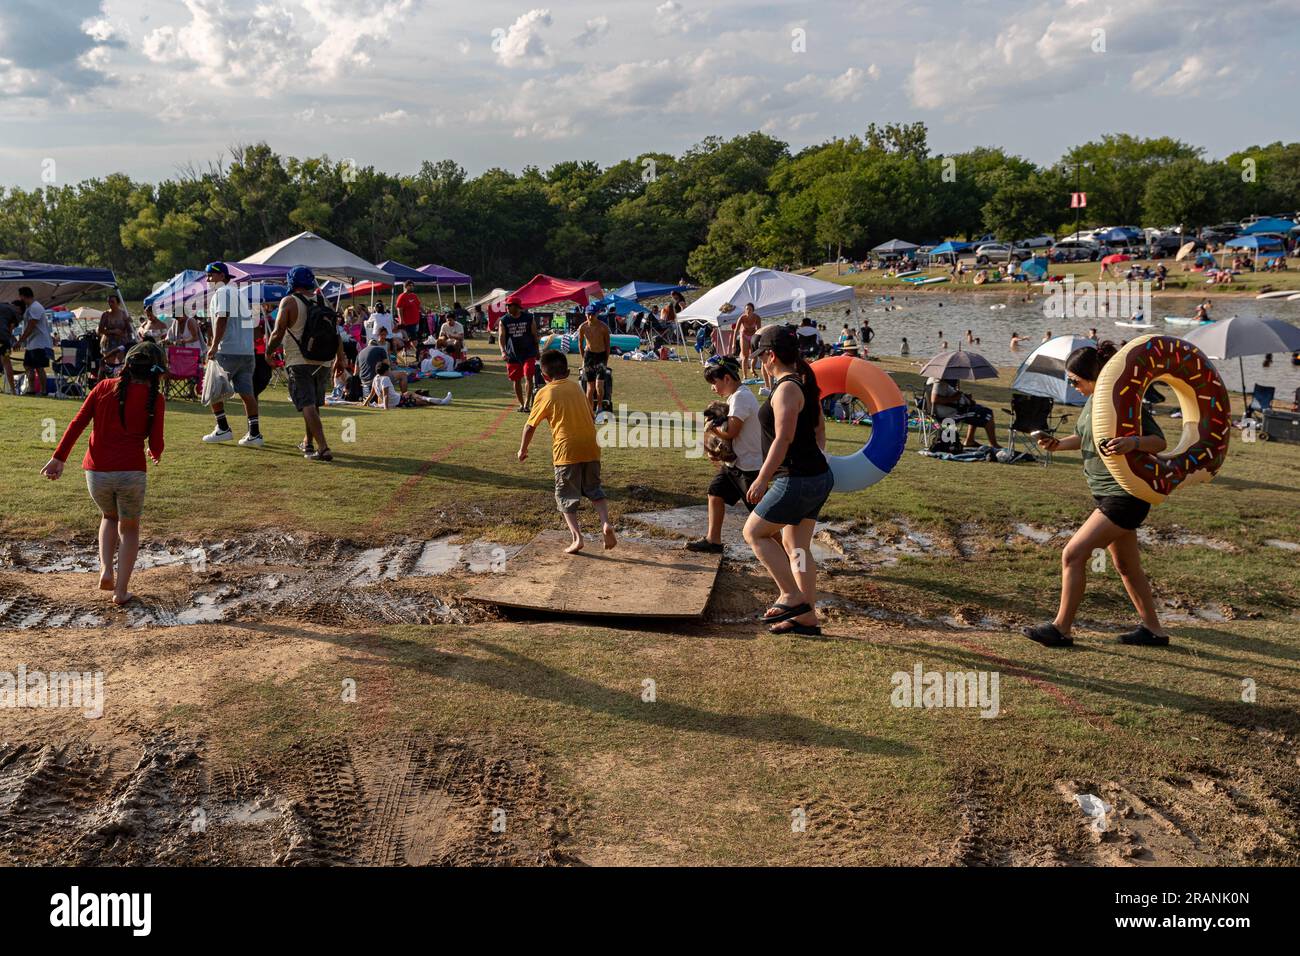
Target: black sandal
803, 630
1047, 635
787, 611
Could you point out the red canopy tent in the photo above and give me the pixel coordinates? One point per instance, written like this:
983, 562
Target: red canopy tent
541, 290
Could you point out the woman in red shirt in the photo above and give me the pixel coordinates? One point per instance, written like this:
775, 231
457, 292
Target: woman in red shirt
126, 412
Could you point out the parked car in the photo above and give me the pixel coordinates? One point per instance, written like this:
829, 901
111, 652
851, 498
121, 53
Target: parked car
1166, 245
1036, 242
1076, 250
999, 252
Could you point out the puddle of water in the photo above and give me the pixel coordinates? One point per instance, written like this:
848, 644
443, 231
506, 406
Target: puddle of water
255, 813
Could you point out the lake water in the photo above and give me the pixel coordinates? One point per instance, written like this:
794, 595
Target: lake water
928, 319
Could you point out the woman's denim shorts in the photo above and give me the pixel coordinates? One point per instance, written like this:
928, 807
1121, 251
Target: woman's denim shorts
790, 499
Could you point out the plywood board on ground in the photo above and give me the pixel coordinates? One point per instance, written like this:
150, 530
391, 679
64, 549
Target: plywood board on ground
639, 578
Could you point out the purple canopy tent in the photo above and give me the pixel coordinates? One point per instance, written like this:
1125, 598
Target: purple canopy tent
441, 276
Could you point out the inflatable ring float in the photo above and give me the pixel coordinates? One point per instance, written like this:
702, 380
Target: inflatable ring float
1202, 397
846, 375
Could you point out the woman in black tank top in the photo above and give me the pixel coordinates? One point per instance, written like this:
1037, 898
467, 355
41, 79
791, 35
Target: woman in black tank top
792, 484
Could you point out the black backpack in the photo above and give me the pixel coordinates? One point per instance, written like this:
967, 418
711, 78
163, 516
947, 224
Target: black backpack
320, 333
471, 364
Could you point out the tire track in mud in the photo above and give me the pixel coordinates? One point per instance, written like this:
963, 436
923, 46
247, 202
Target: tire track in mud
409, 800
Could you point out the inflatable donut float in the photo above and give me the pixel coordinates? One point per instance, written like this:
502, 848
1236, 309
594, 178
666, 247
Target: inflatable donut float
1202, 397
847, 375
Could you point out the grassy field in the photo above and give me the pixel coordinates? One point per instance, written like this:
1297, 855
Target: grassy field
748, 728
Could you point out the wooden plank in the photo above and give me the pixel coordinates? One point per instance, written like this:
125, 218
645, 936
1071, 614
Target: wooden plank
637, 579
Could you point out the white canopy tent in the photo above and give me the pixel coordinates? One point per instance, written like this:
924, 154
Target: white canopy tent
774, 294
493, 296
323, 257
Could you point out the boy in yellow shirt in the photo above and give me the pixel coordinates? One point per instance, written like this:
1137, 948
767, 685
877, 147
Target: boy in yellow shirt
574, 450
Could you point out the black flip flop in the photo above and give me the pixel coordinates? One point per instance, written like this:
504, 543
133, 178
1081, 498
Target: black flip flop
787, 611
803, 630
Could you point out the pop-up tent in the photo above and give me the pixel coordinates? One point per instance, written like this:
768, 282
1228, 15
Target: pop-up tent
1280, 226
323, 257
169, 296
773, 293
543, 290
949, 248
895, 247
649, 290
442, 276
1043, 370
52, 285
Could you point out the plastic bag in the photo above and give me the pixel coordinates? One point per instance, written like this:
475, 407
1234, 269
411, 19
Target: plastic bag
216, 384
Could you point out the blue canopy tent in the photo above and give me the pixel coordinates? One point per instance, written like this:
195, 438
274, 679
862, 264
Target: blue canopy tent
1264, 246
52, 285
649, 290
1280, 226
949, 248
168, 296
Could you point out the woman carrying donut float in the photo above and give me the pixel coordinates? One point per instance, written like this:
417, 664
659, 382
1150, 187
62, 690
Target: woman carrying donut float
1127, 467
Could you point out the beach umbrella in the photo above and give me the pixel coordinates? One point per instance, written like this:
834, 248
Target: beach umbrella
959, 364
1043, 370
1185, 250
86, 313
1240, 336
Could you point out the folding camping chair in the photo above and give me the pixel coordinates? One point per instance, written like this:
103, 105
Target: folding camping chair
184, 369
925, 423
71, 369
1261, 400
1031, 413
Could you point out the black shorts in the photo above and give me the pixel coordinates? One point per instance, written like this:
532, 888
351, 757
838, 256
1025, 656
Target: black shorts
36, 358
595, 359
731, 484
1124, 510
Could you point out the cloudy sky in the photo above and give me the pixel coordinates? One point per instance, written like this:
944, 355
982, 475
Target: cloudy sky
144, 86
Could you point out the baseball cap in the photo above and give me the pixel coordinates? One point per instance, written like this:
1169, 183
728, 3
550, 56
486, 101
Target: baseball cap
301, 277
216, 268
774, 337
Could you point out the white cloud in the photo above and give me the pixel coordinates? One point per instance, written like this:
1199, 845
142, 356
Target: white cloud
596, 28
351, 28
228, 49
523, 44
843, 87
672, 17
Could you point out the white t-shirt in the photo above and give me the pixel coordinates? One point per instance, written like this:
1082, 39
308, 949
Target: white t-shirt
377, 321
232, 301
41, 337
385, 386
430, 365
452, 329
748, 445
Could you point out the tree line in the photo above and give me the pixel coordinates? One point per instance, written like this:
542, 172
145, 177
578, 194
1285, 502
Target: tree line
720, 206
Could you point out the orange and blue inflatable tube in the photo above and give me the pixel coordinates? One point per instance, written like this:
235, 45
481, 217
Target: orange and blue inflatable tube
847, 375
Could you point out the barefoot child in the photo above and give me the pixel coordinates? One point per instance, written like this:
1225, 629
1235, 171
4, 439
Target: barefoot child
1114, 523
574, 450
126, 412
593, 338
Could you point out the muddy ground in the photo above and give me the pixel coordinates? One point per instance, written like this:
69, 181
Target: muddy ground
141, 786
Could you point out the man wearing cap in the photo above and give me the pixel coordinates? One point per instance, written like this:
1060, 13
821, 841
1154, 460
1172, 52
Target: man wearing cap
520, 349
310, 380
232, 348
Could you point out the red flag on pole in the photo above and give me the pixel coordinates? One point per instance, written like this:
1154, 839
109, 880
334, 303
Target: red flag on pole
1078, 200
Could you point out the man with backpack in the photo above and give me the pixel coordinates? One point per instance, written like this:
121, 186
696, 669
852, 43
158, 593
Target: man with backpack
308, 329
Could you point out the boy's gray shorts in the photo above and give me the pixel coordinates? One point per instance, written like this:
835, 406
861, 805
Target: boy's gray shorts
574, 482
